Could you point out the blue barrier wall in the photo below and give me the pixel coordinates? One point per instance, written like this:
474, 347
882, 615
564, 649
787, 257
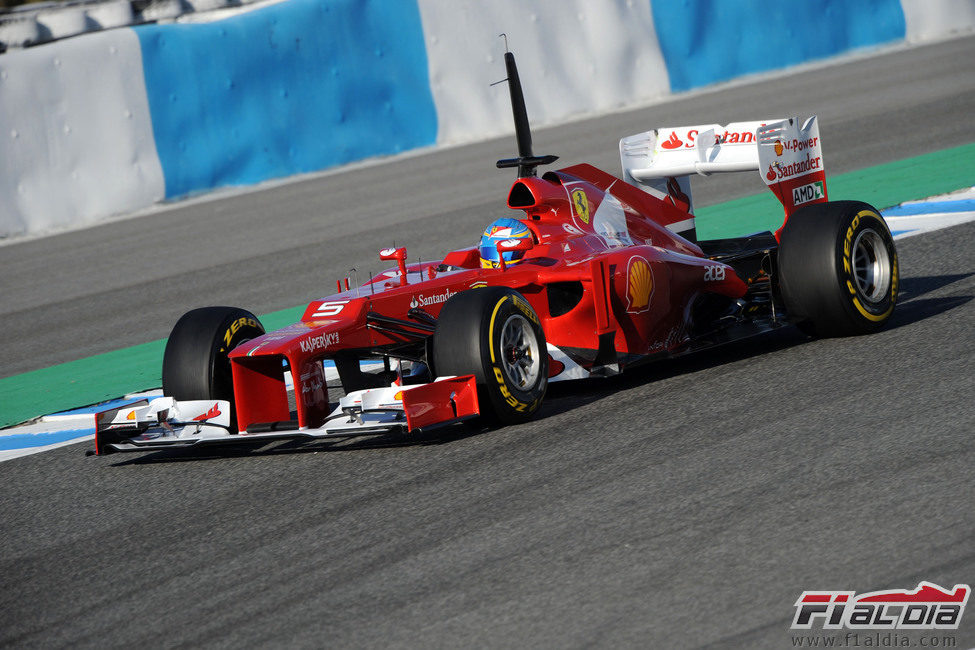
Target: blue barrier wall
292, 88
706, 41
303, 85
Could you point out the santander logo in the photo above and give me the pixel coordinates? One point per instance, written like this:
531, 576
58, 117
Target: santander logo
420, 300
673, 142
770, 174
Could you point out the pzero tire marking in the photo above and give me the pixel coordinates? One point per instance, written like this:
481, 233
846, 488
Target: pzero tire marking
871, 269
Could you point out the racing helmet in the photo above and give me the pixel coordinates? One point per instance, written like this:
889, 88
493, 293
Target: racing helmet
501, 230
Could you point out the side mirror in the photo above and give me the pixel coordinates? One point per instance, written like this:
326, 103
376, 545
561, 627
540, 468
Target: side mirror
398, 254
509, 245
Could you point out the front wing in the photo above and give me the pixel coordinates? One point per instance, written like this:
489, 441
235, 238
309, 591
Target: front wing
165, 423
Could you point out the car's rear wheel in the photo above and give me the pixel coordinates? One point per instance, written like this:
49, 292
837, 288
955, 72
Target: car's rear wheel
494, 334
837, 268
196, 364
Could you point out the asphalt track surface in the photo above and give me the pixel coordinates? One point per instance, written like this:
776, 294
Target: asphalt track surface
686, 504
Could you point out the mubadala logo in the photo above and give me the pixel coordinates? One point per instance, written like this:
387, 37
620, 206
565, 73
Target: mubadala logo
807, 193
320, 342
420, 300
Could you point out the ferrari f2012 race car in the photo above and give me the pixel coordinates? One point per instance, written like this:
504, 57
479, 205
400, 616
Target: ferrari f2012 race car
598, 274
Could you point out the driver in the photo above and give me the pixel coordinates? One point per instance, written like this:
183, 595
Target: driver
505, 228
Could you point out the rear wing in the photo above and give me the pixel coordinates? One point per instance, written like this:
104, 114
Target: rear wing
788, 156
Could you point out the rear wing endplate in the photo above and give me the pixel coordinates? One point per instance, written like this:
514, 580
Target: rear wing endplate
788, 156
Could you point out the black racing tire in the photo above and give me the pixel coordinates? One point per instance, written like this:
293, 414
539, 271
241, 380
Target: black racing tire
837, 266
196, 364
494, 334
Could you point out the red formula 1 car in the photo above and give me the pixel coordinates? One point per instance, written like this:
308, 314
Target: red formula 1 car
598, 275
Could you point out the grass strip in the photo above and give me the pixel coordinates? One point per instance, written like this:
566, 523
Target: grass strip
882, 186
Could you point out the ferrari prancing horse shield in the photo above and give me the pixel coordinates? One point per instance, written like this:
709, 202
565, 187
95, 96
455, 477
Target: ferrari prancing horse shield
581, 204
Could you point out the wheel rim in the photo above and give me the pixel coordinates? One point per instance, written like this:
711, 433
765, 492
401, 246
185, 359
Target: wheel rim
520, 354
871, 266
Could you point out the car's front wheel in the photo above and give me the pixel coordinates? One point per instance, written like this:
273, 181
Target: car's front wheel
196, 364
494, 334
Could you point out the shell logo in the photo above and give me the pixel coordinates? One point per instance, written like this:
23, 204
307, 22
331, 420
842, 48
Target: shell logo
778, 148
639, 285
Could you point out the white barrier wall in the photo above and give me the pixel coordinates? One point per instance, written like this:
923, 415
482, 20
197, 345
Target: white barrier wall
929, 20
111, 122
76, 141
575, 57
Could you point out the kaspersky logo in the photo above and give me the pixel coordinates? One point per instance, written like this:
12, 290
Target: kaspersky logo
928, 607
